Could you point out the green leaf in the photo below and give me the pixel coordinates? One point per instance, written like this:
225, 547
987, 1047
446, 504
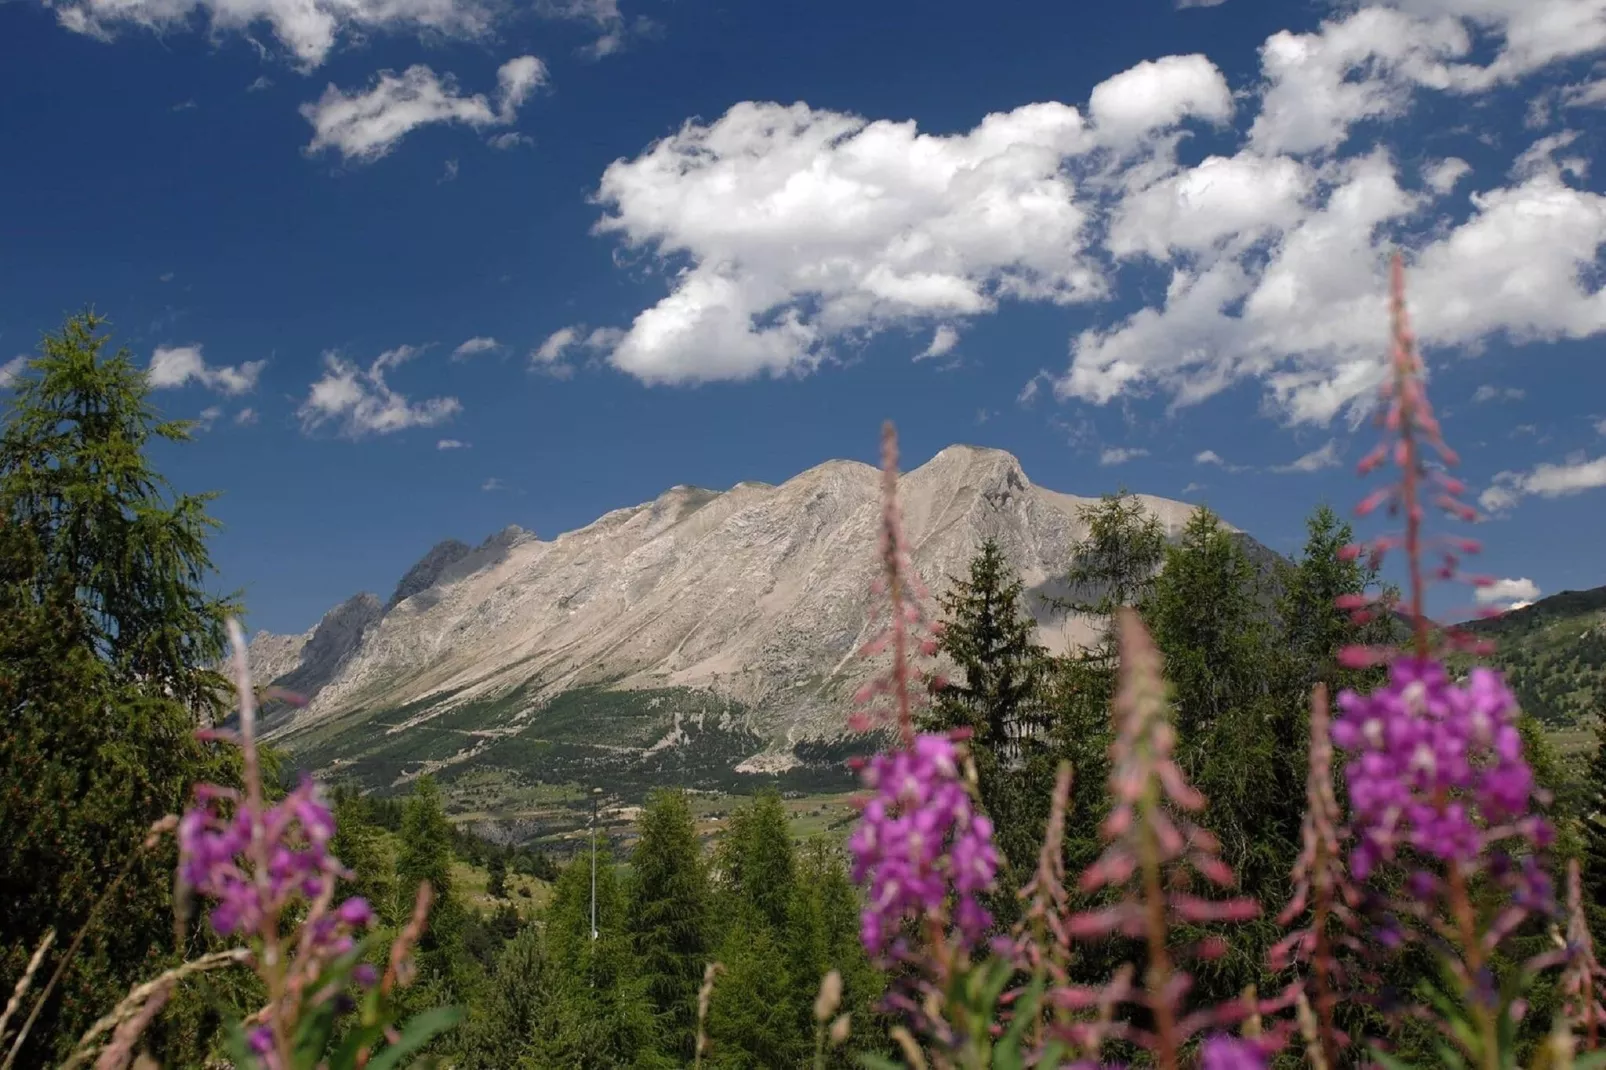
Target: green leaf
1389, 1062
878, 1062
414, 1035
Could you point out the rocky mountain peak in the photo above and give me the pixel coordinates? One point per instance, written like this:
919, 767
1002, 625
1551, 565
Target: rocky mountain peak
423, 575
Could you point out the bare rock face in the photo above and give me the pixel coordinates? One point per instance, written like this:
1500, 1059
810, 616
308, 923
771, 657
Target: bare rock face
422, 576
760, 594
332, 644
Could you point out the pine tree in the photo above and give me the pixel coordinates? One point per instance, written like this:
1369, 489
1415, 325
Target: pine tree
425, 850
997, 697
1314, 628
74, 474
669, 916
1114, 565
515, 1022
496, 876
823, 935
1212, 626
106, 628
752, 1020
757, 861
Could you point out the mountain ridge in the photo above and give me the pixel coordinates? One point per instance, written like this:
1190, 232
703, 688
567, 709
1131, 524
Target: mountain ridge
755, 598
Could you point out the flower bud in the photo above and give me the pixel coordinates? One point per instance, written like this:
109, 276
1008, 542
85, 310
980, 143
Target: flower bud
830, 997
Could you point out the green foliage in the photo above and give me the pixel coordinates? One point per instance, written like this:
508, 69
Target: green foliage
755, 860
607, 1019
105, 626
74, 474
1115, 563
1592, 814
998, 697
753, 1020
515, 1022
669, 918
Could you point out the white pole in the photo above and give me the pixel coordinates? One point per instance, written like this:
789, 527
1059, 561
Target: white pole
594, 793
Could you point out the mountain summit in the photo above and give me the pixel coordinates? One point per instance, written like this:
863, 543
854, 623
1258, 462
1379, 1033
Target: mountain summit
702, 611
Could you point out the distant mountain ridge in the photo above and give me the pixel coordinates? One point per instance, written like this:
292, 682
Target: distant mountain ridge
718, 622
1553, 654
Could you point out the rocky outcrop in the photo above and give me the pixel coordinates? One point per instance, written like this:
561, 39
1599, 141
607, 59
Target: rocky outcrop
423, 575
332, 644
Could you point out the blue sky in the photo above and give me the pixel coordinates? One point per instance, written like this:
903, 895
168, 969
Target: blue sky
717, 241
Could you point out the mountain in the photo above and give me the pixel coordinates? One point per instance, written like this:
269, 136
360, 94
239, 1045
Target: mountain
698, 637
1553, 653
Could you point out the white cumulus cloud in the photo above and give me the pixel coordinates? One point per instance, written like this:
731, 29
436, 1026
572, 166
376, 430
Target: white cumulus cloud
1575, 475
1510, 593
801, 227
364, 125
175, 366
1156, 95
362, 403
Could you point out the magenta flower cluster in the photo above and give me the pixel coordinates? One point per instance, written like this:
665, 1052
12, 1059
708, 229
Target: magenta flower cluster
921, 841
1223, 1052
216, 859
1430, 759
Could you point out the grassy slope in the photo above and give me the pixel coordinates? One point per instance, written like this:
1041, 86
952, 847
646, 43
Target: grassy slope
1553, 654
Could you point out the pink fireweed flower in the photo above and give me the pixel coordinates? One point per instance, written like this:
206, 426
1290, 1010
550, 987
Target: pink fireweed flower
1432, 763
214, 860
921, 845
1222, 1052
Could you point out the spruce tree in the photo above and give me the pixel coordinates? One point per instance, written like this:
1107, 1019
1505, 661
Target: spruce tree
669, 916
997, 696
1114, 565
107, 626
75, 475
1216, 634
606, 1019
757, 861
752, 1020
515, 1022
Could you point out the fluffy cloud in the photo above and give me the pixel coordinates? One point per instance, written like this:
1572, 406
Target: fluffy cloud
1156, 95
1510, 593
364, 125
801, 226
11, 369
308, 29
209, 416
451, 444
1442, 175
246, 417
175, 366
493, 484
789, 232
1574, 476
942, 342
475, 346
1498, 393
1120, 455
362, 403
